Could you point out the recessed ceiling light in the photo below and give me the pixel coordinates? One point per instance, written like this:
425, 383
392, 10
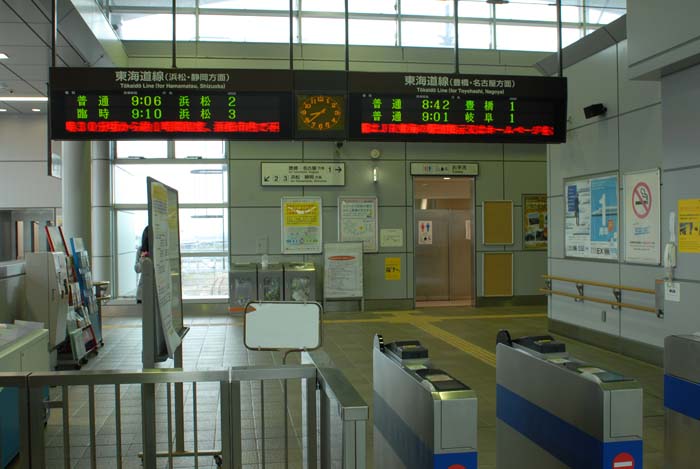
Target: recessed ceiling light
23, 98
2, 109
446, 178
3, 56
36, 110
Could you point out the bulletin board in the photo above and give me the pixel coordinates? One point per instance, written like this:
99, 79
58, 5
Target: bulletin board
497, 274
497, 222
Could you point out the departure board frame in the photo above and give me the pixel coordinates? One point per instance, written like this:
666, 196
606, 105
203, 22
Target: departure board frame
153, 103
456, 108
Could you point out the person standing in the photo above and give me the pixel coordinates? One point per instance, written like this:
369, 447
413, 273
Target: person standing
141, 254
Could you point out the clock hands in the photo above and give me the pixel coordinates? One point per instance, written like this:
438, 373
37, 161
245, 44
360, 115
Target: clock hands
315, 115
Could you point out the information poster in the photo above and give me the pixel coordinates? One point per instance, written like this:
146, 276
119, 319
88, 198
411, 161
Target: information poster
392, 268
591, 226
535, 229
342, 270
301, 225
689, 225
391, 237
162, 209
642, 192
357, 221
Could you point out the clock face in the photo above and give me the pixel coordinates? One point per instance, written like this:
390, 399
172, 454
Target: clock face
320, 112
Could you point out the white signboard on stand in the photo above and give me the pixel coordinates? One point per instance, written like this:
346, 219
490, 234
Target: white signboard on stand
357, 221
165, 255
282, 326
343, 271
642, 194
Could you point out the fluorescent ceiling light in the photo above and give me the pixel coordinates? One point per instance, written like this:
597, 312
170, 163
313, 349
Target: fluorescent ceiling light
2, 109
23, 98
36, 110
3, 56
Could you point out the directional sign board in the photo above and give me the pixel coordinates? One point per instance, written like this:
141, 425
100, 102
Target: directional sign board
302, 173
444, 169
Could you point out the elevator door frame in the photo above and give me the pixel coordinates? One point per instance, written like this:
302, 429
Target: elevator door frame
474, 228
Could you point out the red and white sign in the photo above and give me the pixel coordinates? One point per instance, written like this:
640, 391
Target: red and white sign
623, 461
642, 217
641, 200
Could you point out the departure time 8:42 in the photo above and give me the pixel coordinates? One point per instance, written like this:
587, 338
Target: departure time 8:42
469, 111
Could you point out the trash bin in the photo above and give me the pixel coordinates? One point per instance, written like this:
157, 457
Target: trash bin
270, 282
243, 284
300, 281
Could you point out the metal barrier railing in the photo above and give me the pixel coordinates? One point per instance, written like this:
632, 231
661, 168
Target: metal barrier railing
149, 393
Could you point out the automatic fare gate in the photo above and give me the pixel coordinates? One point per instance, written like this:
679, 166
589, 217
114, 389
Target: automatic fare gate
423, 417
554, 411
682, 401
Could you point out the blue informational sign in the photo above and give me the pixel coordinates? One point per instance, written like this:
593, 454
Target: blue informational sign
604, 209
571, 198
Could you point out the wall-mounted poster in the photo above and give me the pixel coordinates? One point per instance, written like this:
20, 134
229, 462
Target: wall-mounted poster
689, 225
301, 225
535, 229
591, 225
357, 221
642, 191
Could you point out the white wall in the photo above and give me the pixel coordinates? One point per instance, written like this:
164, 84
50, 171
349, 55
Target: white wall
23, 169
628, 138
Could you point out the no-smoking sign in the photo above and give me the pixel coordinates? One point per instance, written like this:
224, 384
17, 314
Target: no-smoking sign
641, 200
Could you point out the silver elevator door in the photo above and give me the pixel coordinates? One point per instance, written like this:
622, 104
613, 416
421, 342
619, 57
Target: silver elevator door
444, 262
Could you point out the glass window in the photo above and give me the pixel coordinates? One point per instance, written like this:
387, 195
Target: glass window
427, 7
195, 183
142, 149
204, 277
373, 32
533, 38
203, 230
282, 5
155, 27
526, 11
322, 30
130, 225
471, 9
427, 34
200, 149
603, 15
372, 6
244, 28
323, 5
475, 36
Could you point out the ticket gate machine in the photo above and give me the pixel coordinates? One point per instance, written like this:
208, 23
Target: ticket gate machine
682, 401
554, 411
423, 417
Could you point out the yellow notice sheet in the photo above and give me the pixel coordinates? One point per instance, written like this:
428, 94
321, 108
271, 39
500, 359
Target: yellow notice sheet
689, 225
392, 268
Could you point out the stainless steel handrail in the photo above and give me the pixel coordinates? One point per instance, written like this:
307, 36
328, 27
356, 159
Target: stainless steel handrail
333, 386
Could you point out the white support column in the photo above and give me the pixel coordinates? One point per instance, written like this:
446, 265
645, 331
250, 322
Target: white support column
101, 246
76, 191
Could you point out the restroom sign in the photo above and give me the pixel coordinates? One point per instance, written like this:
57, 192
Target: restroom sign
623, 461
425, 232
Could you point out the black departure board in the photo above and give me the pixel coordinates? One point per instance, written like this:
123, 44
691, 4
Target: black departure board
457, 108
229, 104
111, 104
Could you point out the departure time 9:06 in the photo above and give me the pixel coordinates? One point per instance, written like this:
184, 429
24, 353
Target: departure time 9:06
148, 102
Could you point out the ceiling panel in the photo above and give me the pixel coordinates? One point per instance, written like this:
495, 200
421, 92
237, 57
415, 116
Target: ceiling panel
27, 10
32, 72
25, 55
7, 15
22, 88
6, 74
17, 34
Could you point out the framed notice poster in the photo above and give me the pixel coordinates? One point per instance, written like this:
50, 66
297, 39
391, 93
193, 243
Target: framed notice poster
642, 196
357, 221
342, 273
591, 223
302, 227
689, 225
535, 229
